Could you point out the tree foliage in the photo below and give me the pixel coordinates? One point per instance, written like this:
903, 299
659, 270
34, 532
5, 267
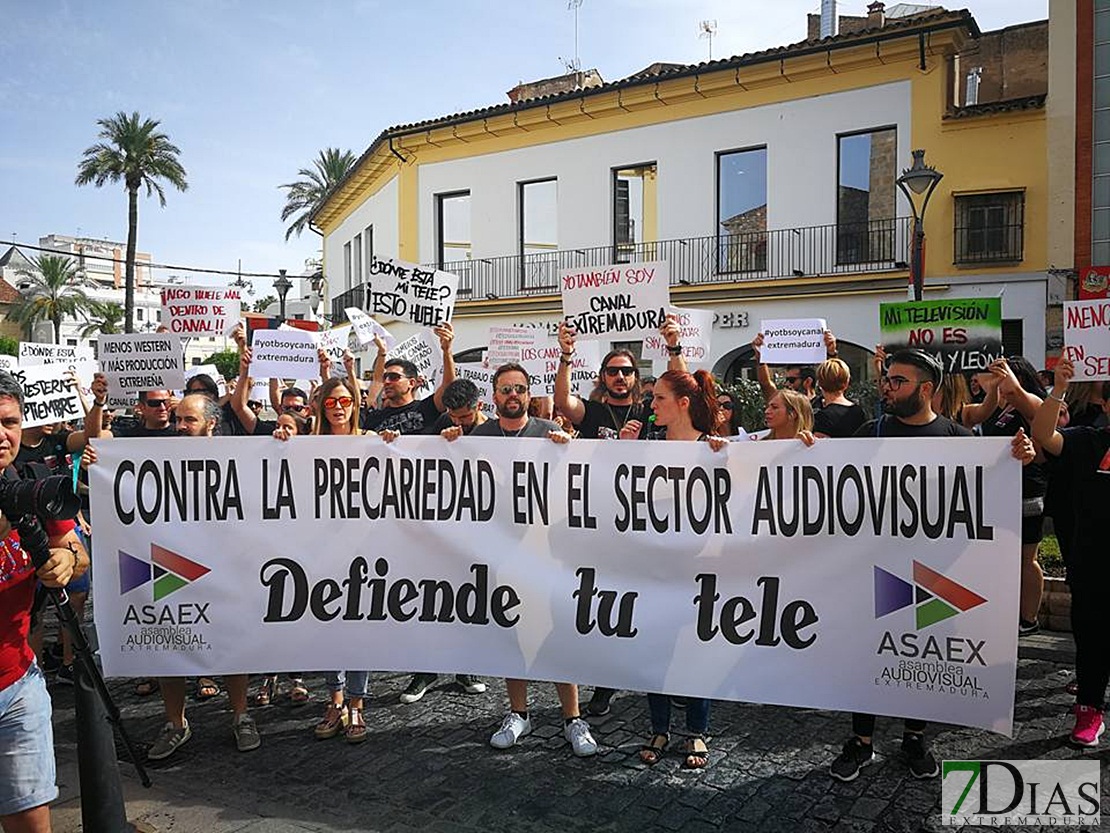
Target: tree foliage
54, 293
102, 317
261, 304
226, 361
135, 152
308, 193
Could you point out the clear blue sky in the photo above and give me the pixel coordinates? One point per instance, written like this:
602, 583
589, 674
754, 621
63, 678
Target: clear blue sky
251, 90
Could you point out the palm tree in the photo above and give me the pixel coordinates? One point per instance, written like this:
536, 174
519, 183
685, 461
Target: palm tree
135, 151
308, 193
52, 295
102, 318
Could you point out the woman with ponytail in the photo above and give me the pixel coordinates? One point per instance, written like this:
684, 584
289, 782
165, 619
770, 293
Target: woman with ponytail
686, 405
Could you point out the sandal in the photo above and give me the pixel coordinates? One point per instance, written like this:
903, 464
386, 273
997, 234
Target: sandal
356, 728
696, 752
207, 688
334, 720
146, 686
651, 752
299, 693
265, 693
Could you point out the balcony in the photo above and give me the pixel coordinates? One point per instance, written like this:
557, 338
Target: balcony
876, 246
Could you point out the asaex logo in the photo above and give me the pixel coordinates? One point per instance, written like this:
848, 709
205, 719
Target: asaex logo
168, 570
1020, 793
935, 597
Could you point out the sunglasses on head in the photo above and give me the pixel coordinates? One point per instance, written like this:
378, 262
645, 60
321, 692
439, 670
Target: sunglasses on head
157, 403
505, 390
391, 376
620, 371
341, 401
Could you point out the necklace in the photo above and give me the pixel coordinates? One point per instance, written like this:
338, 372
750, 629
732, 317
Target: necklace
515, 433
619, 424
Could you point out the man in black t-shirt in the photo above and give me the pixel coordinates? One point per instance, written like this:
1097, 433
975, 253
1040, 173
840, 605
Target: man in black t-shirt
51, 447
401, 411
153, 414
460, 401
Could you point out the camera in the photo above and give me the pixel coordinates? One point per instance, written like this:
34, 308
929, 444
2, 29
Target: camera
49, 498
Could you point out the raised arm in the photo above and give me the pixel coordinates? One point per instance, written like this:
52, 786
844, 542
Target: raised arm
566, 402
671, 333
1045, 432
973, 414
377, 374
242, 393
94, 416
763, 372
446, 334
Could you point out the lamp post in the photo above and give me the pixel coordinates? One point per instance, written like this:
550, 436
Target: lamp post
282, 286
918, 182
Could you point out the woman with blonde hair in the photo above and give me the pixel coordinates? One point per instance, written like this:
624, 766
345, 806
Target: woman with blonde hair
789, 416
839, 416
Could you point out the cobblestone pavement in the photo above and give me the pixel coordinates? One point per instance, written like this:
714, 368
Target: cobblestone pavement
428, 766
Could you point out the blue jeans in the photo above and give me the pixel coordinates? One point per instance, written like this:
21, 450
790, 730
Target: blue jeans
26, 745
697, 714
356, 683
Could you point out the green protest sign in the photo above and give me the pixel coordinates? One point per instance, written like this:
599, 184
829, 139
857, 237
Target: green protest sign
964, 333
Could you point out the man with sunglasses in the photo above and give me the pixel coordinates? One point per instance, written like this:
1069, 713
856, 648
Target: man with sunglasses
153, 412
401, 411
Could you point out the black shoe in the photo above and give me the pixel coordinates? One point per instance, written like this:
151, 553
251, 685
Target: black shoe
65, 674
921, 760
679, 702
420, 684
854, 756
470, 684
1026, 628
599, 703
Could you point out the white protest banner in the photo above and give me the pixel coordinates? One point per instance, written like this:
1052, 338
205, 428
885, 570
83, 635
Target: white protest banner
49, 395
1087, 338
482, 377
335, 343
542, 364
212, 372
695, 331
32, 353
366, 328
793, 341
8, 363
284, 353
408, 292
200, 310
505, 343
424, 351
141, 361
624, 301
887, 569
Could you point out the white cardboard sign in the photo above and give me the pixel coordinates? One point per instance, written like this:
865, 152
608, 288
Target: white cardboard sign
424, 351
793, 341
284, 353
366, 328
542, 363
211, 371
1087, 338
335, 343
695, 331
408, 292
506, 343
49, 396
200, 310
32, 353
135, 362
619, 302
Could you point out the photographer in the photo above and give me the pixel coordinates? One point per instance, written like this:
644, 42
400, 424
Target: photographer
27, 764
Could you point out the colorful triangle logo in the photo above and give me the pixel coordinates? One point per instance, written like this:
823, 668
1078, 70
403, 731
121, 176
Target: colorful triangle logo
168, 570
934, 596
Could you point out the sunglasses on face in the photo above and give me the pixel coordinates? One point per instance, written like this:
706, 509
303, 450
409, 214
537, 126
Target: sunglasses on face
505, 390
394, 377
793, 380
157, 403
620, 371
726, 405
341, 401
294, 409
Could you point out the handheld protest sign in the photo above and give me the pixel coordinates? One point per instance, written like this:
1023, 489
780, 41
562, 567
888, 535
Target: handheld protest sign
32, 353
409, 292
424, 351
135, 362
1087, 338
695, 332
620, 302
284, 353
366, 328
200, 310
965, 334
793, 341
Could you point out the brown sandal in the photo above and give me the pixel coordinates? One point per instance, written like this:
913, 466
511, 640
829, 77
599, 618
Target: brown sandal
335, 718
356, 728
265, 693
696, 752
651, 752
299, 694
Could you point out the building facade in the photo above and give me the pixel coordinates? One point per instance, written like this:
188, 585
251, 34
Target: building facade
766, 181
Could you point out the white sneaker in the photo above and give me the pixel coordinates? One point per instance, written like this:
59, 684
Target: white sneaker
513, 728
577, 733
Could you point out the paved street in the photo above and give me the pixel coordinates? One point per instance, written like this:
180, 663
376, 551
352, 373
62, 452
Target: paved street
428, 767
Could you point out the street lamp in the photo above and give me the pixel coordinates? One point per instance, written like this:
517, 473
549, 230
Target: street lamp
282, 286
919, 180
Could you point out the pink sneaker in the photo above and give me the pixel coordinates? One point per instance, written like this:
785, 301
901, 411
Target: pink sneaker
1088, 726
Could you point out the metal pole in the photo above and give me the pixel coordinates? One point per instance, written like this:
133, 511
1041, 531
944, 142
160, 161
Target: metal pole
917, 258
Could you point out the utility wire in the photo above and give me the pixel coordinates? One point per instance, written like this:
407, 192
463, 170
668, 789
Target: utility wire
143, 263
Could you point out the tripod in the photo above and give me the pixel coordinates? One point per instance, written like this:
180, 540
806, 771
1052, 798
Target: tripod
101, 792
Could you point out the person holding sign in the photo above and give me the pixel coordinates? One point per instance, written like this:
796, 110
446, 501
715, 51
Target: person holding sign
1079, 463
618, 381
460, 399
401, 411
801, 378
686, 405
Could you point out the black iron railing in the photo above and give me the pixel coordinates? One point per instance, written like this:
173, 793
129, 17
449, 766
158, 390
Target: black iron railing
876, 246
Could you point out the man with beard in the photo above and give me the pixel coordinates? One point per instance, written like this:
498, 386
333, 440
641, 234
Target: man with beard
197, 416
907, 390
511, 397
401, 411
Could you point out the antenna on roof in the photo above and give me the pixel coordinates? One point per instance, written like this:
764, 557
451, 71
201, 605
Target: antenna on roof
707, 29
576, 66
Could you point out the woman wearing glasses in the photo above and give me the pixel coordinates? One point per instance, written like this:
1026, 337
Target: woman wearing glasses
686, 405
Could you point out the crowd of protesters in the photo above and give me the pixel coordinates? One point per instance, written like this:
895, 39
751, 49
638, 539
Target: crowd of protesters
1058, 429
